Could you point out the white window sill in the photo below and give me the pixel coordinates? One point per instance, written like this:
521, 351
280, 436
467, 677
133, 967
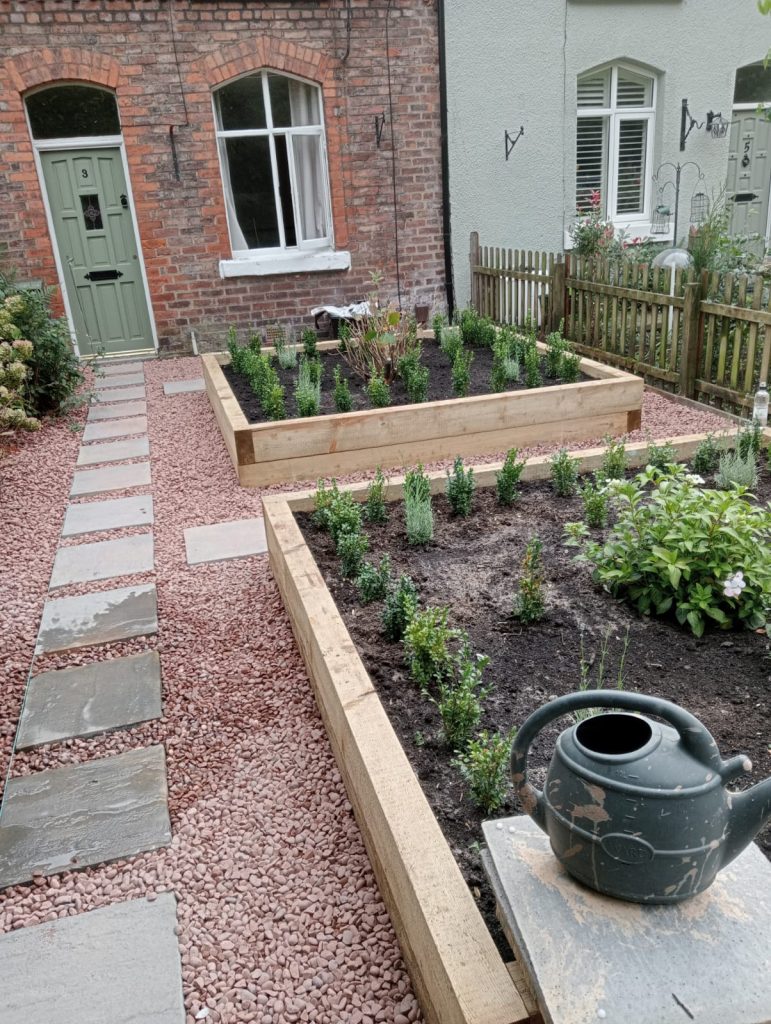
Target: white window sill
637, 230
285, 263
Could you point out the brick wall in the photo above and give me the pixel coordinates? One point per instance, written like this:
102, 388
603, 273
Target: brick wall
162, 58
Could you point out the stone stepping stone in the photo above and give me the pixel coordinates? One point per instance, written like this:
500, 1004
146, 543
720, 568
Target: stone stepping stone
110, 478
101, 618
113, 412
223, 541
115, 428
105, 395
121, 380
103, 560
116, 451
180, 387
119, 963
89, 699
121, 369
64, 819
112, 514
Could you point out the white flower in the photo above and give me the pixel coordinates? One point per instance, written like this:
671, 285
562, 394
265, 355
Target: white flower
734, 585
694, 478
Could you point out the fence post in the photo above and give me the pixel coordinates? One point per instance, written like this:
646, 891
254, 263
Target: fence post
689, 357
473, 259
557, 293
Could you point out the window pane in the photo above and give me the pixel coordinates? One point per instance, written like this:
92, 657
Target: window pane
753, 84
311, 190
633, 90
285, 189
591, 160
241, 104
65, 111
632, 144
293, 104
251, 203
594, 89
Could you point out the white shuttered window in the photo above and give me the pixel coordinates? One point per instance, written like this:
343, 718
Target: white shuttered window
614, 141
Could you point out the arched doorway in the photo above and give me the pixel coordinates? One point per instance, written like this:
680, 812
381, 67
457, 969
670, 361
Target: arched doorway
79, 151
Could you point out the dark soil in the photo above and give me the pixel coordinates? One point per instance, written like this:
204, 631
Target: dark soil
472, 566
439, 382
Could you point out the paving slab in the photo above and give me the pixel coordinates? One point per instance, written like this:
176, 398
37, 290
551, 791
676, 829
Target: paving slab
101, 618
121, 380
115, 428
112, 514
114, 451
103, 560
113, 412
223, 541
121, 369
89, 699
180, 387
105, 395
109, 478
64, 819
118, 964
590, 957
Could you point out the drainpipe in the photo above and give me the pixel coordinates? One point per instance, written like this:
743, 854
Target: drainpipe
446, 224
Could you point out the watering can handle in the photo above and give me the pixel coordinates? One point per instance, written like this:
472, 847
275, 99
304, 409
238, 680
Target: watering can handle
694, 736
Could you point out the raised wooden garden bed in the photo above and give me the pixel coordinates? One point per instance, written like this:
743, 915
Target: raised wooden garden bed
341, 443
458, 973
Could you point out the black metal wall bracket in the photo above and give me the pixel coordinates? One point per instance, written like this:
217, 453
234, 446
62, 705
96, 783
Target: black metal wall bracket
510, 142
687, 124
380, 120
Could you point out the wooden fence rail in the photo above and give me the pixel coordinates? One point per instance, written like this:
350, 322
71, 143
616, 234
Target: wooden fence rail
708, 337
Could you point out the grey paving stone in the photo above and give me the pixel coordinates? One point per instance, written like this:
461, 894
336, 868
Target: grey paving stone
223, 541
68, 818
101, 618
115, 428
112, 514
116, 965
105, 395
121, 380
121, 369
89, 699
112, 412
590, 957
103, 560
114, 451
109, 478
180, 387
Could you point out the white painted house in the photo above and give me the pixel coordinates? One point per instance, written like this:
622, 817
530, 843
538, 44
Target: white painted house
599, 88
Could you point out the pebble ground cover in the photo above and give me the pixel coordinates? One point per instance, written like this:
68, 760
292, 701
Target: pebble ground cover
280, 917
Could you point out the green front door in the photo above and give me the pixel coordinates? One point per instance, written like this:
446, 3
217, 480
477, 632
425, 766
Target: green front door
749, 172
98, 250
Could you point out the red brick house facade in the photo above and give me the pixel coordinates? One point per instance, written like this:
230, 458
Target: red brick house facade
164, 61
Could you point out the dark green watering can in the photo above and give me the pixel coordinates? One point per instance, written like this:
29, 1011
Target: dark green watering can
636, 809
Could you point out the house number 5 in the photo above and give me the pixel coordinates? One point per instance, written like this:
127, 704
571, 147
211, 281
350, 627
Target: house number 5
746, 157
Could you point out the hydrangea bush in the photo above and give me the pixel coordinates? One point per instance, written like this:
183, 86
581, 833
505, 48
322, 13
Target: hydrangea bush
15, 353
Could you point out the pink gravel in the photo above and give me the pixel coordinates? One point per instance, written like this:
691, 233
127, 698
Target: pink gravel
280, 917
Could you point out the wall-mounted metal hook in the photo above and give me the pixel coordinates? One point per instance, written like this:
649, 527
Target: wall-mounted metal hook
687, 124
510, 142
380, 120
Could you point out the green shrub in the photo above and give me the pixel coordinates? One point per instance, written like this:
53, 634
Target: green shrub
255, 342
237, 352
309, 340
342, 395
737, 470
570, 369
661, 455
400, 606
484, 767
335, 511
614, 460
564, 474
749, 439
507, 480
351, 548
273, 406
451, 342
533, 377
460, 488
461, 372
417, 385
428, 646
675, 547
378, 391
408, 364
706, 458
555, 351
596, 504
13, 373
529, 603
476, 329
437, 323
460, 697
498, 378
286, 354
307, 392
375, 507
418, 514
372, 581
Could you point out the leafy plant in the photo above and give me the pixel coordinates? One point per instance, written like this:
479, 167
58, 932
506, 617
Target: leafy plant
376, 343
701, 554
437, 324
309, 340
661, 455
570, 368
476, 329
274, 406
507, 480
451, 342
460, 488
307, 392
409, 363
418, 514
529, 603
372, 581
614, 460
401, 604
255, 342
342, 393
564, 474
460, 697
461, 372
417, 385
706, 458
596, 504
375, 507
749, 439
737, 470
351, 547
555, 351
13, 372
428, 646
286, 354
237, 352
335, 511
484, 767
586, 666
378, 391
533, 377
499, 381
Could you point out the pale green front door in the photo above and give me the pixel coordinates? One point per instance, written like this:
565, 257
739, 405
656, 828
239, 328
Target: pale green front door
749, 172
98, 250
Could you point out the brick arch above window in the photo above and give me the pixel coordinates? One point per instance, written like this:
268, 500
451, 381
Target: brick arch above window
50, 65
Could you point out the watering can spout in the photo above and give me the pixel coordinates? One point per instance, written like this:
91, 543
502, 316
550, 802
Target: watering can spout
750, 811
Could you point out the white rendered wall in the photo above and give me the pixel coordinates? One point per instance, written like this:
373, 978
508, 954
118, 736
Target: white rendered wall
515, 62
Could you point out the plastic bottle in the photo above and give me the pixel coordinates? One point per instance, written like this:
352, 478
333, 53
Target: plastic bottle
760, 405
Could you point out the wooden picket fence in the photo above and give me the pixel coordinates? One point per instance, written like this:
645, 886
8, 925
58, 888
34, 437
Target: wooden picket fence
707, 337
